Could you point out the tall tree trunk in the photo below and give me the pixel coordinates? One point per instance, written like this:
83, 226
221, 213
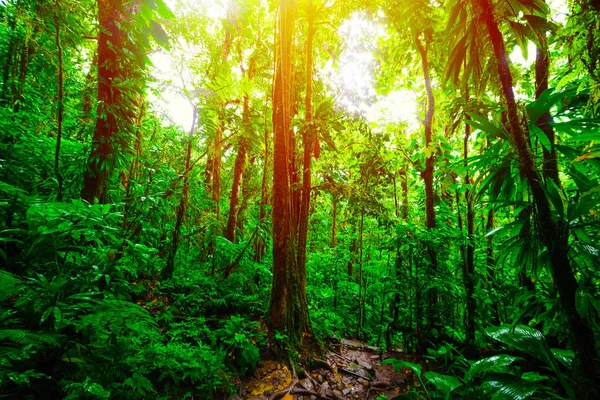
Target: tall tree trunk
181, 208
238, 172
428, 177
308, 137
469, 270
11, 51
61, 108
96, 176
287, 307
259, 244
217, 159
334, 221
491, 265
404, 185
361, 286
542, 69
115, 115
554, 233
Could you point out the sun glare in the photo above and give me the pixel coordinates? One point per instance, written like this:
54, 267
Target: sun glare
350, 77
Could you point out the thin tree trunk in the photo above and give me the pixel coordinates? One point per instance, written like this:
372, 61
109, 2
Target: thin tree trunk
361, 311
238, 172
181, 208
217, 159
308, 137
491, 265
334, 222
260, 245
469, 271
61, 108
428, 178
542, 69
404, 185
554, 234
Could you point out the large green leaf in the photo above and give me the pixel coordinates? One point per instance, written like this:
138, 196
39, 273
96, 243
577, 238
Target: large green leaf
444, 383
523, 338
508, 387
493, 363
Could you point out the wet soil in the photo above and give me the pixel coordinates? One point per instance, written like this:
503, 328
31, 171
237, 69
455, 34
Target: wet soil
349, 370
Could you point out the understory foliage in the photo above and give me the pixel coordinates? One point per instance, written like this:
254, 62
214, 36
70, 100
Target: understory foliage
162, 288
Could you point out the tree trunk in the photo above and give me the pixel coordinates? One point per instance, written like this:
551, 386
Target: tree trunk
217, 159
428, 178
61, 109
287, 307
404, 185
469, 270
238, 172
554, 233
491, 265
542, 63
334, 222
110, 45
181, 208
115, 111
308, 137
259, 244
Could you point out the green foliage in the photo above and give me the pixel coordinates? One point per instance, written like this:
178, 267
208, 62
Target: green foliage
83, 310
238, 339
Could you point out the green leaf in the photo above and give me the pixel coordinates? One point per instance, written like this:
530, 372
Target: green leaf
479, 122
553, 193
492, 363
566, 357
523, 338
444, 383
398, 364
159, 34
46, 314
585, 137
508, 387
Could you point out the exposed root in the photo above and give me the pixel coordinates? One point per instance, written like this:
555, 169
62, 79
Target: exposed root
295, 381
354, 374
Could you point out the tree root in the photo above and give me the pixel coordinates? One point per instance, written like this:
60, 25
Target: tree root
354, 374
295, 381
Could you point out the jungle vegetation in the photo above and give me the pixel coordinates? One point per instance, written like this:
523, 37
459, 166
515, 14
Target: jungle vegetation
415, 174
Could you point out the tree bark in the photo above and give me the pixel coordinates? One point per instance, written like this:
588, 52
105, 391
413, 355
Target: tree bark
469, 270
428, 177
542, 64
238, 172
181, 208
61, 109
404, 185
554, 233
287, 307
308, 137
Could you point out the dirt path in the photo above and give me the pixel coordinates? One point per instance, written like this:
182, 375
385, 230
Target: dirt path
350, 370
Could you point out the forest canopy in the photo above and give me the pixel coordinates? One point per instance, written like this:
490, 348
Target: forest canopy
272, 199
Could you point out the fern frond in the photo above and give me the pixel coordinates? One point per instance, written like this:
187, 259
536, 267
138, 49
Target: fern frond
119, 315
24, 337
10, 285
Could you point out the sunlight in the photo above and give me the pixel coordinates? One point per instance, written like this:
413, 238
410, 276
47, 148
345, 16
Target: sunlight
351, 77
173, 68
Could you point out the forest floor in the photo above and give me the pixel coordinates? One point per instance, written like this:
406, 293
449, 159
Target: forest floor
349, 370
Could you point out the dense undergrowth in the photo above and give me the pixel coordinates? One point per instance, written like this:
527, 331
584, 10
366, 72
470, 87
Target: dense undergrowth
84, 316
432, 237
